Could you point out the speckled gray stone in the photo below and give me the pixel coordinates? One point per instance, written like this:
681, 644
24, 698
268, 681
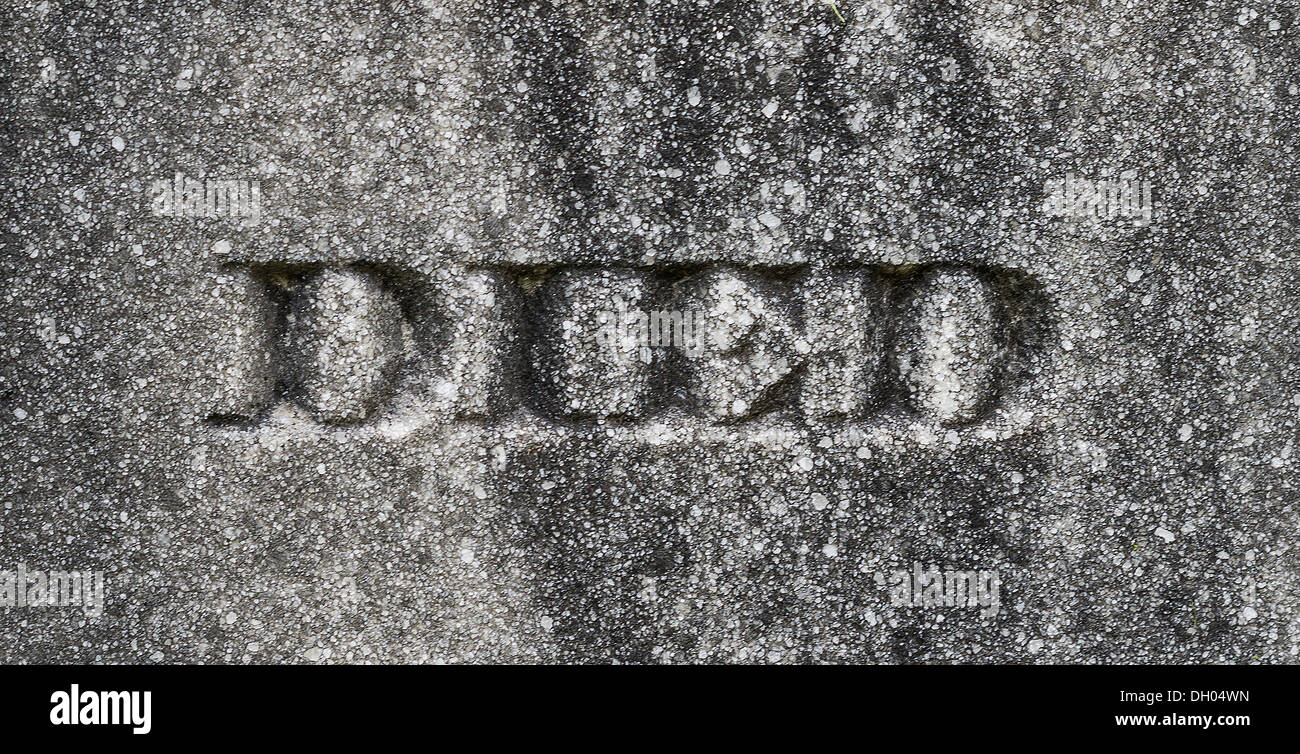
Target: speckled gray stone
980, 374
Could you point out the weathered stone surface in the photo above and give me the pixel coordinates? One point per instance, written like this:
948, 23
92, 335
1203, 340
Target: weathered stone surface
243, 340
845, 322
951, 347
471, 326
344, 344
749, 345
457, 482
581, 368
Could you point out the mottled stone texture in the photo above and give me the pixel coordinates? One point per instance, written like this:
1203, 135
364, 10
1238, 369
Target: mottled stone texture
349, 427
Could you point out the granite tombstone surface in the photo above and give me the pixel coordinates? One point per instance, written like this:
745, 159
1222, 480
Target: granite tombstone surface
661, 331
